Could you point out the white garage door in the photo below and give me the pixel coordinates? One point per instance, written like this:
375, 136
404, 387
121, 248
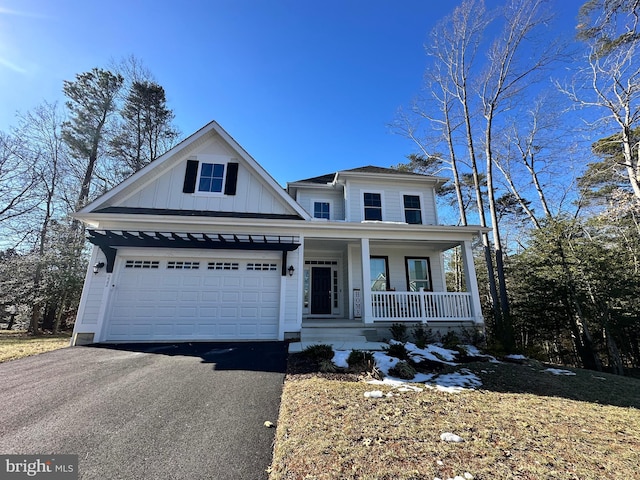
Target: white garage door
195, 299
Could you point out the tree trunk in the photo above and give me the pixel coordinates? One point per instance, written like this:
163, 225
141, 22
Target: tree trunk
56, 322
615, 362
506, 332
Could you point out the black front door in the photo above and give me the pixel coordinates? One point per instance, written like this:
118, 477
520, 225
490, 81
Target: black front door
321, 290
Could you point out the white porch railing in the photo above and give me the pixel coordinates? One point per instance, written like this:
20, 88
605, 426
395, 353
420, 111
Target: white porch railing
421, 306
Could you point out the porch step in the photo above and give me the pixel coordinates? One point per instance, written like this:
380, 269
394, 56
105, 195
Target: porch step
340, 335
311, 331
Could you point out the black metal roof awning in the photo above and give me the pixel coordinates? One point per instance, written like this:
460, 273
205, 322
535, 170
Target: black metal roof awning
110, 240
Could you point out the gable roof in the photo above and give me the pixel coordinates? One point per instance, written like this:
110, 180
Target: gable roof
169, 159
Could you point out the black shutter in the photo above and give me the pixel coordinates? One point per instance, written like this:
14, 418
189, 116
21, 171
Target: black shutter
232, 179
190, 177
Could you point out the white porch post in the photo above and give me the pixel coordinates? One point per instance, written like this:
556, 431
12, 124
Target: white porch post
367, 312
471, 281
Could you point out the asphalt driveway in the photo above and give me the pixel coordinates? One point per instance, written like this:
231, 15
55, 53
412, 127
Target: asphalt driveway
147, 411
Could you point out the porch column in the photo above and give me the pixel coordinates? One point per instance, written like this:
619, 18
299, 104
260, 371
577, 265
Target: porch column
367, 313
471, 280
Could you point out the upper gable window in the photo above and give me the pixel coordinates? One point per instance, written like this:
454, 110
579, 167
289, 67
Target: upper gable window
211, 177
412, 210
321, 210
372, 206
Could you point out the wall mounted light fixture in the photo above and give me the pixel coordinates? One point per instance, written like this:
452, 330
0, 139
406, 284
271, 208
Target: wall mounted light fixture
291, 270
97, 267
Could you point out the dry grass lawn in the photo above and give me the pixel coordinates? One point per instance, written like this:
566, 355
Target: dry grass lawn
523, 424
17, 344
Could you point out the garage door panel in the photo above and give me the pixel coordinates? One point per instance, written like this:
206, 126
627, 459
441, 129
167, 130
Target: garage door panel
252, 281
249, 312
228, 312
191, 281
231, 281
189, 296
271, 282
253, 297
230, 297
217, 300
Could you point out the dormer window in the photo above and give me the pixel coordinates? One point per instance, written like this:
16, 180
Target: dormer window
372, 206
321, 210
211, 177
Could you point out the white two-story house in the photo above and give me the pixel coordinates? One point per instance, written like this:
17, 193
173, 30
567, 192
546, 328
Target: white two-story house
203, 244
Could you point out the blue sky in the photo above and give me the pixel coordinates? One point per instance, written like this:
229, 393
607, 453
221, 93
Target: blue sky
305, 87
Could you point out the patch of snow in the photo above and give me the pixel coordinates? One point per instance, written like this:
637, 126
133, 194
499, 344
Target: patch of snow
410, 388
433, 353
387, 381
557, 371
340, 358
515, 356
384, 362
452, 382
373, 394
451, 437
456, 382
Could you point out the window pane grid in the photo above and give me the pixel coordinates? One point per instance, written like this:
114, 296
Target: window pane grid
412, 211
211, 177
372, 206
321, 210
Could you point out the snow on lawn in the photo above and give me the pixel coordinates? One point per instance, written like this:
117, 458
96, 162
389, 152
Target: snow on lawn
451, 382
515, 356
557, 371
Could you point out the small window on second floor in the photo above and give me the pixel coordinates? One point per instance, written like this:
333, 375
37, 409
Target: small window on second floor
211, 177
372, 206
412, 210
321, 210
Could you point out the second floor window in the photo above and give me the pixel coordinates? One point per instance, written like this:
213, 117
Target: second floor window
211, 177
372, 206
321, 210
412, 211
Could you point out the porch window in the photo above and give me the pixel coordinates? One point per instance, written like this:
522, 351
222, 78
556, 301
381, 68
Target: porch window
321, 210
379, 274
372, 206
412, 210
211, 177
418, 274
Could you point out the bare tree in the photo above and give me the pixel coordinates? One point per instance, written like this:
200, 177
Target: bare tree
16, 182
40, 129
610, 82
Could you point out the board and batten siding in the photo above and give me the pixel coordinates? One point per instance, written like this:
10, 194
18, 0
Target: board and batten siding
253, 195
392, 200
92, 293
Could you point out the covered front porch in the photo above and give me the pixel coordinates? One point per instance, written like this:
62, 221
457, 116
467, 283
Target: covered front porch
374, 281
